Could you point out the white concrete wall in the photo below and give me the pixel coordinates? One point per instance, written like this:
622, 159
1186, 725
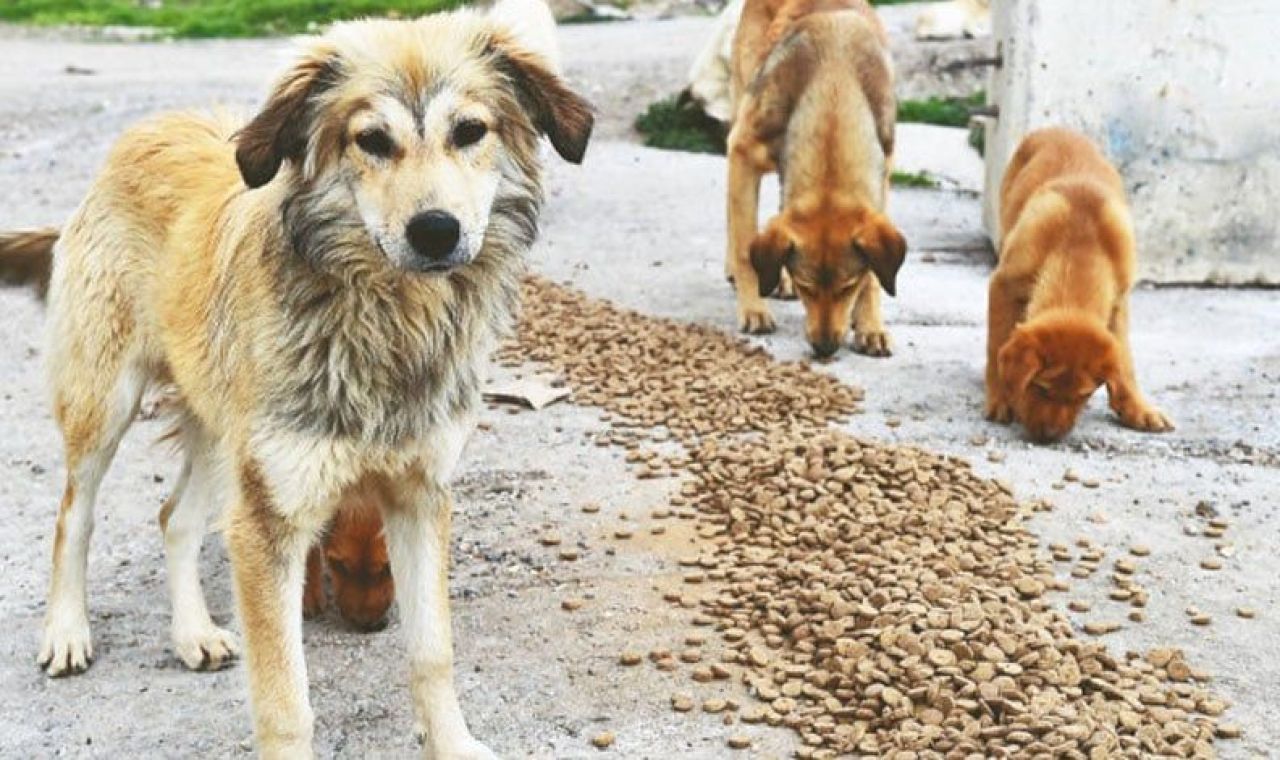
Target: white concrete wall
1183, 95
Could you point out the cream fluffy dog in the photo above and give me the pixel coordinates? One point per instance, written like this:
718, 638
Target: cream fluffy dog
322, 285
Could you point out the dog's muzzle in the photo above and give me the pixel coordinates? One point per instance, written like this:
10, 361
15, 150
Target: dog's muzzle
434, 238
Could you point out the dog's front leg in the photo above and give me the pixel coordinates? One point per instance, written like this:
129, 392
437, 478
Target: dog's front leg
1003, 313
743, 212
417, 530
869, 336
268, 557
1127, 400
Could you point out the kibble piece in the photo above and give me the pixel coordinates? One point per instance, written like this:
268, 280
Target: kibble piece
1227, 731
571, 604
1201, 619
713, 706
550, 539
738, 741
1029, 588
1211, 563
591, 507
1248, 613
1140, 550
681, 703
1100, 628
603, 740
630, 658
1079, 605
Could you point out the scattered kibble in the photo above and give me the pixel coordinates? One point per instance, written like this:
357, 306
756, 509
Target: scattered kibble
837, 572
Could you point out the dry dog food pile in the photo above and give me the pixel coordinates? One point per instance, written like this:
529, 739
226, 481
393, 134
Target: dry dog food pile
875, 598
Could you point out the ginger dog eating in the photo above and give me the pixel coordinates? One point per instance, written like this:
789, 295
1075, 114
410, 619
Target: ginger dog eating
1059, 299
813, 100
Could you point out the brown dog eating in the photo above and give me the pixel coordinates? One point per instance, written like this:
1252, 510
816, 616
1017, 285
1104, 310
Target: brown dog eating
813, 100
354, 551
1059, 300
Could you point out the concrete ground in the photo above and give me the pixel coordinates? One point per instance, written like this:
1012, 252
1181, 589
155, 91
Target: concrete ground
643, 228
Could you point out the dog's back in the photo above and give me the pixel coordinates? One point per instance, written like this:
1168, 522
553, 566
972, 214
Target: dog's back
765, 24
1061, 202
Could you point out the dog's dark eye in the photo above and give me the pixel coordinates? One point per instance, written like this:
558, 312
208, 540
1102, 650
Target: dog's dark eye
469, 132
375, 142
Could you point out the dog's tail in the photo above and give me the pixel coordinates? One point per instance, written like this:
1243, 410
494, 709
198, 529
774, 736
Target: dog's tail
26, 258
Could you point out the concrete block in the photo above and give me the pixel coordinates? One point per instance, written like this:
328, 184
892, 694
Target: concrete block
1183, 95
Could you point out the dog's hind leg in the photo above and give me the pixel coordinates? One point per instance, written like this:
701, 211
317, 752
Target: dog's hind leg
93, 419
199, 643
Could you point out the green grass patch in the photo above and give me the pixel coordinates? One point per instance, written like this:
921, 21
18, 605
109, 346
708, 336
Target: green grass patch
944, 112
915, 179
212, 18
674, 125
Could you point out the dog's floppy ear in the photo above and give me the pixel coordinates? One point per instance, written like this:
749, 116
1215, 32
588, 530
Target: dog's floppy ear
1018, 362
558, 112
883, 248
279, 131
770, 252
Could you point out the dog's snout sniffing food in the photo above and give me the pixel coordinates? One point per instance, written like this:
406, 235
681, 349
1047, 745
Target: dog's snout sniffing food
272, 273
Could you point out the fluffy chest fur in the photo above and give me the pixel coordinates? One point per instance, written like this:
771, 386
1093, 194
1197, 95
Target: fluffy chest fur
384, 357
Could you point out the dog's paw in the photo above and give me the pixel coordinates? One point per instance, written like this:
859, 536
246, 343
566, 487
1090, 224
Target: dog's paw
873, 343
205, 648
67, 648
1147, 419
755, 319
999, 411
468, 749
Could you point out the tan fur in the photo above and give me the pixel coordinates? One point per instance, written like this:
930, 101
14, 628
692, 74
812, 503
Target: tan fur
313, 361
813, 98
1059, 299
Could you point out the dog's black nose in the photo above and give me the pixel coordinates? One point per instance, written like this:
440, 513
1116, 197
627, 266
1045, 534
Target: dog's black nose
433, 234
825, 347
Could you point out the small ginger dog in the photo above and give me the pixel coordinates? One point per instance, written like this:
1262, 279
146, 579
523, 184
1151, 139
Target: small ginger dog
1059, 299
813, 100
354, 552
322, 285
